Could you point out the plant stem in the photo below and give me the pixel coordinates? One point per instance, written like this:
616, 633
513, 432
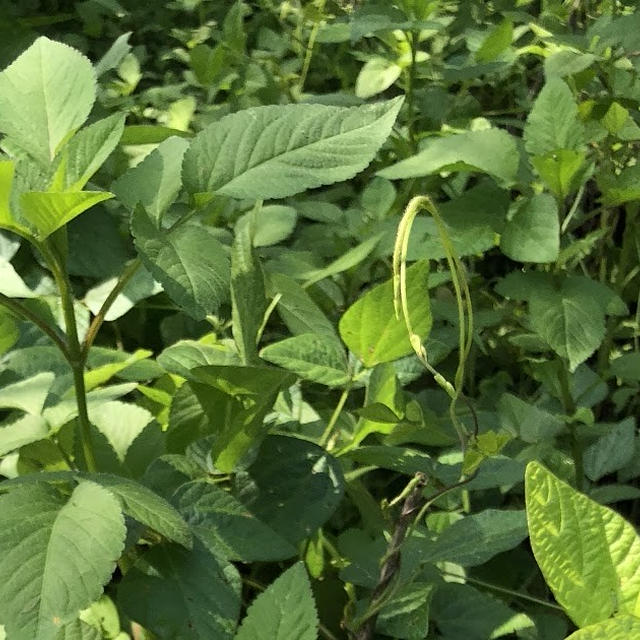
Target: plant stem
510, 592
570, 409
24, 312
411, 81
326, 435
96, 323
308, 54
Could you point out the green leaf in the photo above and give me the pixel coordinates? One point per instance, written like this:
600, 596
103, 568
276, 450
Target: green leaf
226, 527
78, 630
113, 57
533, 234
615, 117
284, 611
156, 181
377, 75
252, 392
56, 553
473, 540
553, 122
566, 315
9, 333
491, 151
284, 150
7, 219
189, 262
21, 432
313, 357
45, 95
496, 42
49, 211
88, 149
400, 459
27, 395
299, 501
146, 507
627, 367
370, 328
405, 615
176, 593
248, 298
620, 188
617, 628
560, 170
588, 554
612, 451
528, 421
185, 355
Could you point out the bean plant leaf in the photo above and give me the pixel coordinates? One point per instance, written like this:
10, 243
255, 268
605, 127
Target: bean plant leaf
283, 150
45, 95
284, 611
588, 554
553, 122
56, 553
190, 263
49, 211
491, 151
618, 628
370, 328
317, 358
611, 451
177, 593
533, 234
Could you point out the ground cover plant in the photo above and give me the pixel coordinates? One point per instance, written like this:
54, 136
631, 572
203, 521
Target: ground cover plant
319, 319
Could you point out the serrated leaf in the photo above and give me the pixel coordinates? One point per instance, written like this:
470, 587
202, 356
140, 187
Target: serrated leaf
88, 149
177, 593
49, 211
618, 628
491, 151
45, 94
370, 328
27, 395
588, 554
78, 630
56, 553
156, 181
21, 432
190, 263
284, 611
553, 122
533, 234
313, 357
283, 150
147, 507
227, 527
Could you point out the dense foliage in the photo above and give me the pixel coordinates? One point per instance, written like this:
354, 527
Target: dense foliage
319, 319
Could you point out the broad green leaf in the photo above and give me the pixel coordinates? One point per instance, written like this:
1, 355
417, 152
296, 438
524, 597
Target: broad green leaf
566, 62
475, 539
49, 211
611, 451
56, 553
226, 527
620, 188
251, 393
464, 613
248, 298
85, 153
627, 367
491, 151
533, 234
7, 219
377, 75
99, 375
27, 395
78, 630
299, 501
156, 181
45, 94
121, 423
21, 432
271, 225
528, 421
176, 593
114, 55
296, 307
406, 615
317, 358
400, 459
588, 554
284, 611
185, 355
568, 317
618, 628
553, 122
9, 333
370, 328
283, 150
560, 170
190, 263
496, 42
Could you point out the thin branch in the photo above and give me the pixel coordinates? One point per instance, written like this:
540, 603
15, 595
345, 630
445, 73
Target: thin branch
24, 312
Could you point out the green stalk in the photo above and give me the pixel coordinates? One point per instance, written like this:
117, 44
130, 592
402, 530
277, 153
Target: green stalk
570, 408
